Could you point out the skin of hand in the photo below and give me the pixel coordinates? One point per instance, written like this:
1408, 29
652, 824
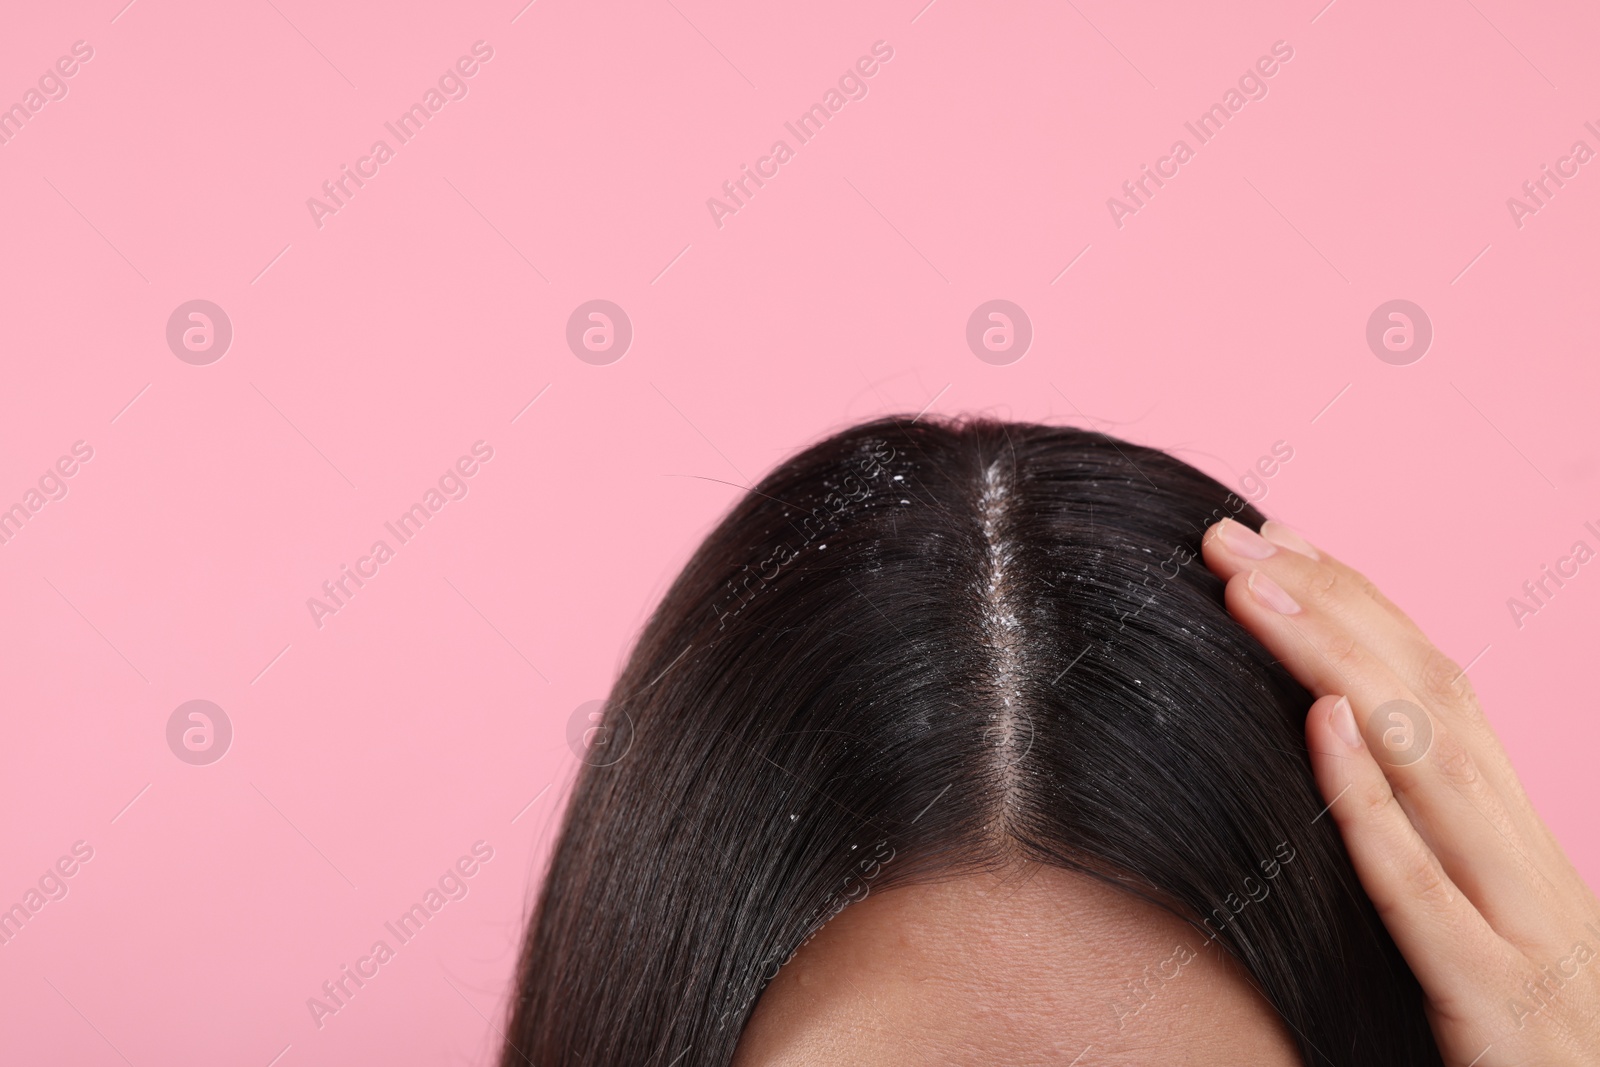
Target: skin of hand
1492, 917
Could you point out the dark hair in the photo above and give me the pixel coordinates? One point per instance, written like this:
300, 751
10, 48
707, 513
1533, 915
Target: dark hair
924, 647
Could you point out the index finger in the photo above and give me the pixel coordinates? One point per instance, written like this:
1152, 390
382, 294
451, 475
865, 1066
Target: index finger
1373, 623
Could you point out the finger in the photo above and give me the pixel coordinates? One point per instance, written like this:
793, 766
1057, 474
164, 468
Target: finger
1454, 806
1428, 671
1448, 943
1350, 631
1313, 574
1230, 548
1341, 593
1433, 675
1283, 536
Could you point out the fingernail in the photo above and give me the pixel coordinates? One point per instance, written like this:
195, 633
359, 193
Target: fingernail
1271, 594
1344, 723
1243, 541
1284, 537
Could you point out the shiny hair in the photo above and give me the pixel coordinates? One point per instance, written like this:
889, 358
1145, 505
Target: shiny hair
925, 647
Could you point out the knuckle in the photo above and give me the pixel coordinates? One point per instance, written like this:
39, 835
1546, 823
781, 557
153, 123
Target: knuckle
1373, 799
1365, 584
1343, 650
1323, 586
1453, 763
1443, 681
1423, 877
1370, 589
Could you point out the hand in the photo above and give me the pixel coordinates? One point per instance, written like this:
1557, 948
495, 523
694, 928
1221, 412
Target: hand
1491, 916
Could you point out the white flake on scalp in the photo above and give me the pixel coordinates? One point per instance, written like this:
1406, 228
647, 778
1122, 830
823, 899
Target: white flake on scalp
1002, 632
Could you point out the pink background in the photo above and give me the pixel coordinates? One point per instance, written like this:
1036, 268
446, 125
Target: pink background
368, 754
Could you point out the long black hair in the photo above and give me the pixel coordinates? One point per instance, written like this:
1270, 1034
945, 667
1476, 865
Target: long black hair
922, 647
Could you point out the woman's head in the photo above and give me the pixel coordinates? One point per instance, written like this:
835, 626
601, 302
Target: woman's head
973, 670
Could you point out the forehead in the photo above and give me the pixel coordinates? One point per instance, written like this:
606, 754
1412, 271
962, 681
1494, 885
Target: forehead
1030, 965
